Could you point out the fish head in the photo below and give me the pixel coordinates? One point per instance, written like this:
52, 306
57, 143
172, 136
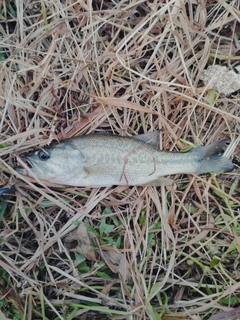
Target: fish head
43, 163
55, 163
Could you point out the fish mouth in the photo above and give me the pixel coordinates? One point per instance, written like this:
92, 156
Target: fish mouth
27, 161
22, 170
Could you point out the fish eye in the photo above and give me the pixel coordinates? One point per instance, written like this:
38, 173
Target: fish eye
43, 155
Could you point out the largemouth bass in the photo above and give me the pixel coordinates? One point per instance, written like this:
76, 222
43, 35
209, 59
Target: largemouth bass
105, 160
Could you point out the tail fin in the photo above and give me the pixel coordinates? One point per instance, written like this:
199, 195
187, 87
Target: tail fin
210, 161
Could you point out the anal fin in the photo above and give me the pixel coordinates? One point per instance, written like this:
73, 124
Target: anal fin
159, 182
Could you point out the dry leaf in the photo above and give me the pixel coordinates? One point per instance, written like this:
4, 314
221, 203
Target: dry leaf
232, 314
122, 103
90, 117
237, 241
11, 295
83, 238
115, 260
108, 287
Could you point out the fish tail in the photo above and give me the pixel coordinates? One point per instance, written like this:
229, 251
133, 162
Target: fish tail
210, 160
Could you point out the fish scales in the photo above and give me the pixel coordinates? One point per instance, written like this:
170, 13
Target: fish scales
125, 161
105, 160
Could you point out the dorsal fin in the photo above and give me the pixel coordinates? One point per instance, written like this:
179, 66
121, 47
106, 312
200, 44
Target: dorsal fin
149, 138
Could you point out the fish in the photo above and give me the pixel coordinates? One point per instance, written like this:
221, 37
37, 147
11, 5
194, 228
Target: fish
97, 160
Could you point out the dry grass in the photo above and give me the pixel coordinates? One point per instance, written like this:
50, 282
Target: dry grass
73, 67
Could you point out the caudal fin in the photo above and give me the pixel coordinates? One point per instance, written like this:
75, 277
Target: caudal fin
210, 160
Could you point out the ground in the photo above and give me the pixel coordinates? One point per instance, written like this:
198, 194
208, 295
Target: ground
75, 67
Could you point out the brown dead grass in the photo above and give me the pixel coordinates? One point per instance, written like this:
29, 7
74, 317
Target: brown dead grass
125, 67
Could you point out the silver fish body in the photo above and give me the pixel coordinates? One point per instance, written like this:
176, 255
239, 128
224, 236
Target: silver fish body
105, 160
